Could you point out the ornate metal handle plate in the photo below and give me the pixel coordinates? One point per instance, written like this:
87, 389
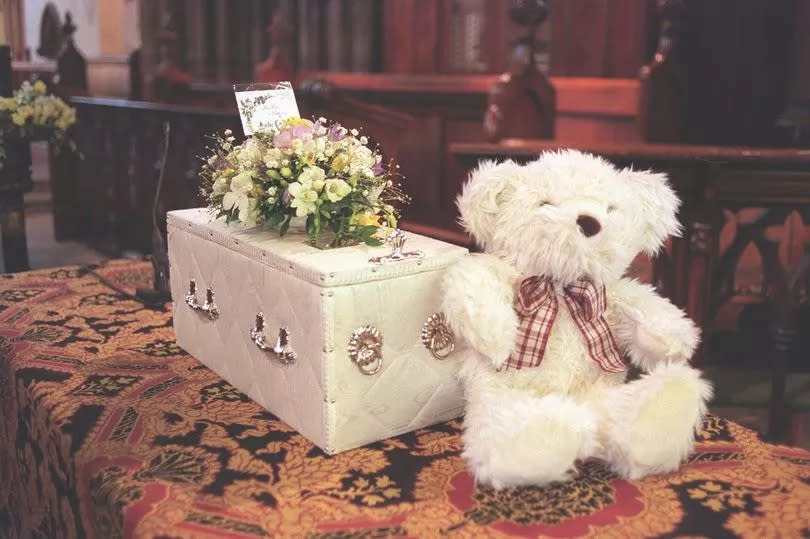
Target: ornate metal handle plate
282, 349
397, 241
365, 350
208, 308
437, 337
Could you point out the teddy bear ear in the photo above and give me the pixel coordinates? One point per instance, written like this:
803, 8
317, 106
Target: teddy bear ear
659, 207
482, 197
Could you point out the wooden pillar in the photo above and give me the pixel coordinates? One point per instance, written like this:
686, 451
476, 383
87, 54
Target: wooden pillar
338, 35
195, 38
149, 14
362, 42
277, 65
171, 82
257, 32
13, 27
221, 40
15, 176
664, 97
310, 35
522, 103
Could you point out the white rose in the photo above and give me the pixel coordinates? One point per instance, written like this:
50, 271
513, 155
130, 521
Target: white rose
237, 197
242, 182
311, 175
304, 199
337, 190
248, 212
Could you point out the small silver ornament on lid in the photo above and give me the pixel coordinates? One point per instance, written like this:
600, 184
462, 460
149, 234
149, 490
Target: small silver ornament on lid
365, 349
397, 240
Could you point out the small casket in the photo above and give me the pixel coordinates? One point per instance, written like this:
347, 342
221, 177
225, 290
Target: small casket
345, 350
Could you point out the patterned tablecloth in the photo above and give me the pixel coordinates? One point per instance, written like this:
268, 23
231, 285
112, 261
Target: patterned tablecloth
108, 429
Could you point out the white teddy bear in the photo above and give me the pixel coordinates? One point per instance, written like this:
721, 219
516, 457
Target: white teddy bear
550, 320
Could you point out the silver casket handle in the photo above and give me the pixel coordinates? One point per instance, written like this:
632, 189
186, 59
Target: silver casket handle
282, 349
209, 308
437, 336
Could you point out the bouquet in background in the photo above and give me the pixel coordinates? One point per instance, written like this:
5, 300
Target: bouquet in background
315, 173
32, 114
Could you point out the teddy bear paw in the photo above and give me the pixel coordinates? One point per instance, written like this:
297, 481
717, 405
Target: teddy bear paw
660, 347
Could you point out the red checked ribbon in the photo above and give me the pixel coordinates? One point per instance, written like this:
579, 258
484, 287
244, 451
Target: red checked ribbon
537, 306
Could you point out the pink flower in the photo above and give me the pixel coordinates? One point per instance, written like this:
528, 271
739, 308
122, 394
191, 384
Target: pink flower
336, 133
285, 137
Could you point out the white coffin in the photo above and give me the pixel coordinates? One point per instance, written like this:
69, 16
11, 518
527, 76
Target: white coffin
321, 297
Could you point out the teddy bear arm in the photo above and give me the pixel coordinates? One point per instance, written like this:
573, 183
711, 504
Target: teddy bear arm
477, 301
650, 328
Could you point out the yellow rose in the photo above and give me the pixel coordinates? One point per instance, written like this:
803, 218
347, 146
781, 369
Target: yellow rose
367, 219
40, 87
295, 120
339, 162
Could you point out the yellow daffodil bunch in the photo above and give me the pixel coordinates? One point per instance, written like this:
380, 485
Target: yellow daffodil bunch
33, 114
312, 171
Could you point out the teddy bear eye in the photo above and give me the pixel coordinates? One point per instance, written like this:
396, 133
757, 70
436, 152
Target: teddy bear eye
545, 203
611, 208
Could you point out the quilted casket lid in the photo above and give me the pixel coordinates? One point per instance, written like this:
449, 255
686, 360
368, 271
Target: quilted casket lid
331, 267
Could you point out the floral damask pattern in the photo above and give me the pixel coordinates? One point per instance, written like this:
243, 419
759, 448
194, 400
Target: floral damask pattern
108, 429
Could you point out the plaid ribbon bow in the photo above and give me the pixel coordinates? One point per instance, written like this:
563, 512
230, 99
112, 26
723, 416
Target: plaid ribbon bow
537, 305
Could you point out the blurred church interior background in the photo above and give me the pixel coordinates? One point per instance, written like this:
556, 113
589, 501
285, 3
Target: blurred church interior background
716, 94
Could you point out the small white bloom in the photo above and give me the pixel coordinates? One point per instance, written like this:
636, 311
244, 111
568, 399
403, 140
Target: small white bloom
363, 140
228, 132
374, 194
220, 185
250, 155
354, 132
361, 158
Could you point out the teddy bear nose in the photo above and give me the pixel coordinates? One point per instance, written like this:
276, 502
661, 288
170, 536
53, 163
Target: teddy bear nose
588, 225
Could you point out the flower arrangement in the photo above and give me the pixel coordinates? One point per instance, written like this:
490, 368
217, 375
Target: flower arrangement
320, 175
33, 114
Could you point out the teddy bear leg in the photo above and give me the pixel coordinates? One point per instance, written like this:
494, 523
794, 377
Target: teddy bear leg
652, 421
514, 438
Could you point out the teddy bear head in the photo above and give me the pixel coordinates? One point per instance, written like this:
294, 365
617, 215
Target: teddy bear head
568, 215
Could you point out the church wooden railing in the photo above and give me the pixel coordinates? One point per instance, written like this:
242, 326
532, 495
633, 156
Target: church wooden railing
104, 198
